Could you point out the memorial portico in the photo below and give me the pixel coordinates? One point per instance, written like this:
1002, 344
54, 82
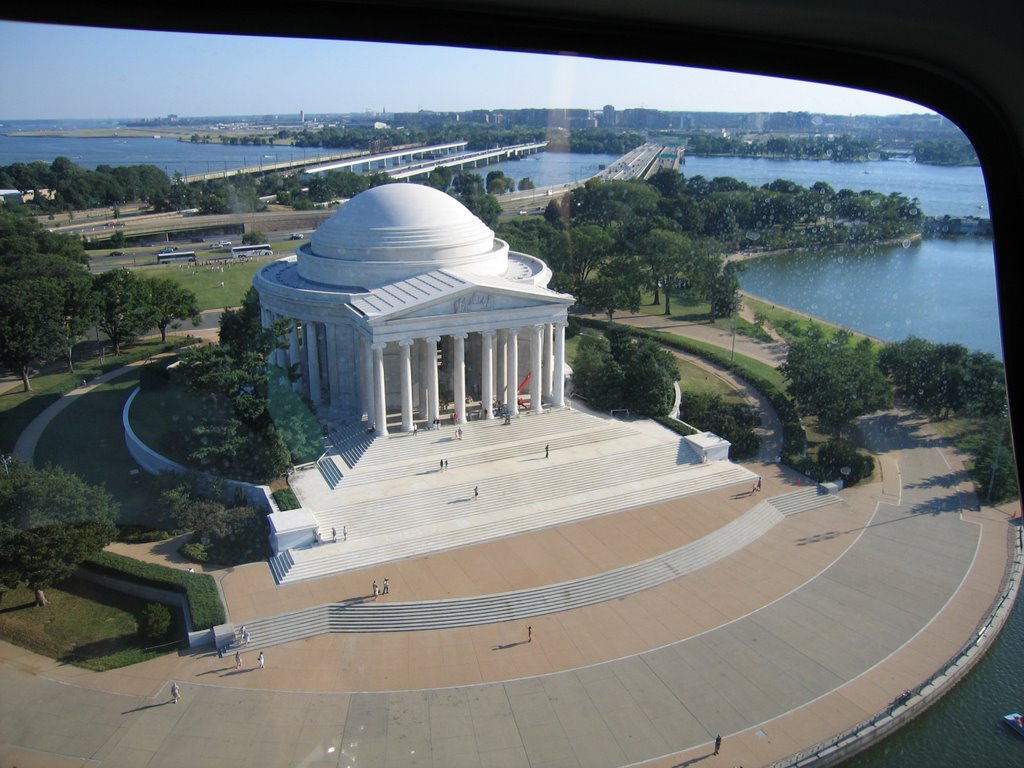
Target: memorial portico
404, 300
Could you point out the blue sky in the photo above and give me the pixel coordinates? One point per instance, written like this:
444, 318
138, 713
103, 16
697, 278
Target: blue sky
55, 72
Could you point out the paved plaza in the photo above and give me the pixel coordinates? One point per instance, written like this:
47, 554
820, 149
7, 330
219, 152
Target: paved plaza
806, 629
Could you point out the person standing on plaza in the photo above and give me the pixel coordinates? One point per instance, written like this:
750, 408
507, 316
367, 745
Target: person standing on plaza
175, 693
476, 491
334, 534
718, 743
547, 451
386, 585
238, 660
376, 589
261, 661
344, 533
529, 634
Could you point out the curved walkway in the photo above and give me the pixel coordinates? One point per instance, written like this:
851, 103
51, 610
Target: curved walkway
817, 624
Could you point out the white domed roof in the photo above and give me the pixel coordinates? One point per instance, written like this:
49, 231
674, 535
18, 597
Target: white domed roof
399, 230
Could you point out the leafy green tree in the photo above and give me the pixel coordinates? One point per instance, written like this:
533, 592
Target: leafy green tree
156, 622
168, 302
596, 375
254, 238
723, 291
667, 255
834, 378
526, 183
124, 311
31, 331
50, 520
649, 373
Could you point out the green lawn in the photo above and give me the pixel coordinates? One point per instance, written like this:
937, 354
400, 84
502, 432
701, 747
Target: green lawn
206, 282
83, 624
86, 438
18, 409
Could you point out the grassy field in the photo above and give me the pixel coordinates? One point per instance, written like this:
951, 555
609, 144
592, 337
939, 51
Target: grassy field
18, 409
86, 438
83, 625
215, 287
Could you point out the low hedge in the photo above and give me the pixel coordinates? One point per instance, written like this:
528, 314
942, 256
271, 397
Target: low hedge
200, 590
794, 438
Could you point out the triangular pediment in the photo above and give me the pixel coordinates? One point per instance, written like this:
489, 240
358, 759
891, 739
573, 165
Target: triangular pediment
438, 295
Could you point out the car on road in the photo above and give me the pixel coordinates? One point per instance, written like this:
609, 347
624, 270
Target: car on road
296, 236
162, 251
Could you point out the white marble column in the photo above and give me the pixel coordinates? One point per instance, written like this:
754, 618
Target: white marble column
333, 366
512, 366
434, 410
280, 358
459, 374
312, 361
501, 358
537, 374
380, 411
293, 351
549, 360
406, 374
558, 382
366, 356
487, 373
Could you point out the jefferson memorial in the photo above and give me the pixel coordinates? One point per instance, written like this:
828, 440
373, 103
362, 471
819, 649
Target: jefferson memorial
403, 301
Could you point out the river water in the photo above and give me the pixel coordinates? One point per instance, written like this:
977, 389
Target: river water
943, 290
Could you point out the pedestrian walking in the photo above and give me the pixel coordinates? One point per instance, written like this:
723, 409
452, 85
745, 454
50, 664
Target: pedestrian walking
376, 589
529, 634
261, 661
547, 451
245, 635
238, 660
334, 535
415, 429
446, 465
718, 743
386, 585
759, 485
442, 465
175, 693
476, 491
344, 533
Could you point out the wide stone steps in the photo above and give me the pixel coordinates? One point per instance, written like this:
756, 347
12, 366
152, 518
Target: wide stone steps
479, 435
463, 453
446, 498
804, 500
368, 615
511, 515
330, 472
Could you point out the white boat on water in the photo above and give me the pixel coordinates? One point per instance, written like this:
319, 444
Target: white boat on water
1016, 721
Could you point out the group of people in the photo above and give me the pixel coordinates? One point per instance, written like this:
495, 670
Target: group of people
334, 535
384, 589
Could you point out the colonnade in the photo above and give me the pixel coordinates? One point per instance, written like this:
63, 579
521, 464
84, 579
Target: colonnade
345, 369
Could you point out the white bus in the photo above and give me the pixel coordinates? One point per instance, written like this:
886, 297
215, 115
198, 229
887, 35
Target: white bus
172, 257
249, 251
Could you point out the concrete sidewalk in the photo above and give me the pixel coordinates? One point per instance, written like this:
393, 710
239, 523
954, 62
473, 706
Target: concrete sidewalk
819, 623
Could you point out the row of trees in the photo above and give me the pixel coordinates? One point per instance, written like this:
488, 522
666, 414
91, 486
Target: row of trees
48, 299
73, 188
609, 241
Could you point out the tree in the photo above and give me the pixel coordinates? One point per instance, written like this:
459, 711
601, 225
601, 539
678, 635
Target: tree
254, 238
649, 373
30, 325
50, 520
595, 374
667, 254
526, 183
124, 312
168, 302
834, 378
723, 291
